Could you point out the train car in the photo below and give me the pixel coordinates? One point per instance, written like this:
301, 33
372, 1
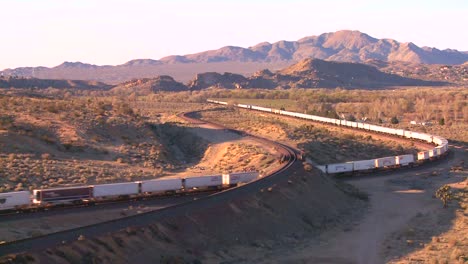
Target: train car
376, 128
439, 150
62, 195
432, 153
203, 181
115, 189
14, 200
422, 136
259, 108
244, 106
216, 102
423, 155
339, 167
288, 113
438, 140
161, 185
399, 132
242, 177
385, 162
351, 124
407, 134
404, 160
325, 119
360, 165
360, 125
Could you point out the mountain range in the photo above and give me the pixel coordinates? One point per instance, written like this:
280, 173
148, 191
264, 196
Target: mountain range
307, 73
343, 46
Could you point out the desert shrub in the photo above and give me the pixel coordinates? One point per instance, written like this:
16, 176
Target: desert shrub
6, 122
445, 194
442, 121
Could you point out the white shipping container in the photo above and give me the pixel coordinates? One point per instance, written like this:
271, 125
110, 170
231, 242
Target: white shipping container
204, 181
432, 153
363, 164
400, 132
244, 177
265, 109
437, 140
161, 185
11, 200
407, 134
423, 155
243, 106
115, 189
322, 168
404, 159
375, 128
426, 137
385, 162
339, 167
293, 114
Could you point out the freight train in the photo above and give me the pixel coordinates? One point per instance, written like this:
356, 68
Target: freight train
41, 198
440, 150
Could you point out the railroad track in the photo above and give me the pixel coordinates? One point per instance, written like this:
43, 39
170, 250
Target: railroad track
40, 243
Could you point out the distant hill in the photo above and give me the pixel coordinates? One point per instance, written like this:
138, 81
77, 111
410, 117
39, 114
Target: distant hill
24, 82
312, 73
150, 85
344, 46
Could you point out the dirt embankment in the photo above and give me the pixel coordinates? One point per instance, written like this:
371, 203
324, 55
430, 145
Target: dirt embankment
248, 227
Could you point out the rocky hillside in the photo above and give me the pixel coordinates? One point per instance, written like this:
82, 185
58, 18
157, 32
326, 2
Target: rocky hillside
457, 74
150, 85
226, 80
346, 46
310, 73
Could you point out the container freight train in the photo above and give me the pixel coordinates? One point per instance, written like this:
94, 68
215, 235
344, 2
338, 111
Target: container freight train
106, 192
372, 164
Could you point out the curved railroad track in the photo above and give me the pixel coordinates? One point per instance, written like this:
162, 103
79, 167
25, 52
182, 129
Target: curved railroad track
40, 243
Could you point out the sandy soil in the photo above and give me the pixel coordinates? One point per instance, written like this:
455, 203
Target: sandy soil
387, 231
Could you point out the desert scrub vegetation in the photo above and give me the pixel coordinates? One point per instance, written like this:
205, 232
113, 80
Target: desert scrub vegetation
244, 157
320, 144
435, 237
53, 140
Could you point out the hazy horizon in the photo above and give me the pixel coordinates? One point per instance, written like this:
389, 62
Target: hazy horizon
49, 32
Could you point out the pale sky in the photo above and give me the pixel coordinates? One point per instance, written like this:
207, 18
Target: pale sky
111, 32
